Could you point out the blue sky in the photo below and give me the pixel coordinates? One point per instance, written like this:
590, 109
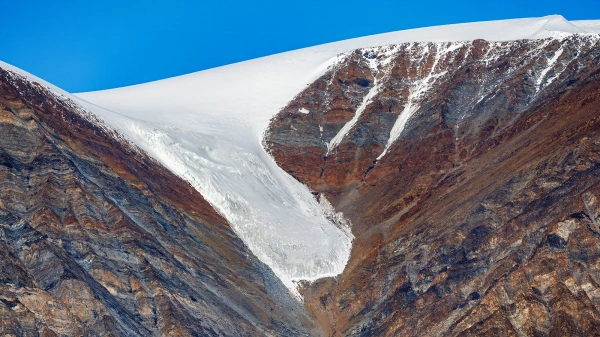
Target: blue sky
92, 45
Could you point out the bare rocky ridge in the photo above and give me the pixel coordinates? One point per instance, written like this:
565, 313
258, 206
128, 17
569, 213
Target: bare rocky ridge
97, 239
474, 214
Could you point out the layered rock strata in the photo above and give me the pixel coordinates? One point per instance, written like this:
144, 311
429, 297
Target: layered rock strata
97, 239
470, 172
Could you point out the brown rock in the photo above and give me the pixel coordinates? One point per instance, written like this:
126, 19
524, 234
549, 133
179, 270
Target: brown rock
481, 218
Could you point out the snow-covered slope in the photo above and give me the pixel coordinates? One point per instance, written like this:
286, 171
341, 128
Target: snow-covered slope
207, 127
589, 26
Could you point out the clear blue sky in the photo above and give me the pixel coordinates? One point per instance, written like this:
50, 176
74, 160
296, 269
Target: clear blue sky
92, 45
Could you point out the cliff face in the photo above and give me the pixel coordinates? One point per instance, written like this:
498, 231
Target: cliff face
470, 172
98, 239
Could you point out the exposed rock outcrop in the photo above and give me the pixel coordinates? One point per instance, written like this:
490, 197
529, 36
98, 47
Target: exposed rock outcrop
97, 239
470, 172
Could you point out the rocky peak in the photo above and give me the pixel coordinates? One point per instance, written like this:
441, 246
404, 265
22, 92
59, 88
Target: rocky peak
372, 97
469, 172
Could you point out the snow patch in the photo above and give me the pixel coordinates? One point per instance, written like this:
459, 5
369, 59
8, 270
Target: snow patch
337, 139
550, 64
378, 65
419, 88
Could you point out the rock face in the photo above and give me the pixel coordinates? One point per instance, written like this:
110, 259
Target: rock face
97, 239
470, 172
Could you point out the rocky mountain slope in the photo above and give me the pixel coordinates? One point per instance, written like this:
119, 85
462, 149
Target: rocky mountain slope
432, 182
98, 239
469, 171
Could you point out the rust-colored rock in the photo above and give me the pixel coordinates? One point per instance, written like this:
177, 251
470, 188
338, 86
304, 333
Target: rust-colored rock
482, 218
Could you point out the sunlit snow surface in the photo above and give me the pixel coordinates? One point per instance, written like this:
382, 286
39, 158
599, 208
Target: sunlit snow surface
208, 127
